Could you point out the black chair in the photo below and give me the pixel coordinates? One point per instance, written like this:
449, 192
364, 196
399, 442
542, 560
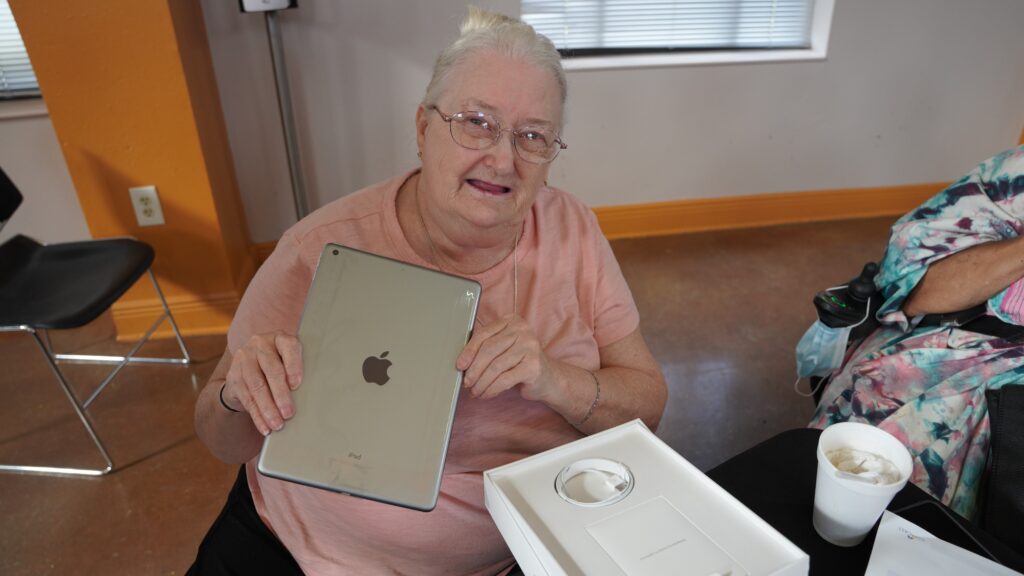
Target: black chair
67, 285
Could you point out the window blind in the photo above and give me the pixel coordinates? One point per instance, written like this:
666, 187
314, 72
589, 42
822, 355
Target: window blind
583, 27
16, 76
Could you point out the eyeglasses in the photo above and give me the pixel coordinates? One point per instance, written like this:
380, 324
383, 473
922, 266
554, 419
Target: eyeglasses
480, 131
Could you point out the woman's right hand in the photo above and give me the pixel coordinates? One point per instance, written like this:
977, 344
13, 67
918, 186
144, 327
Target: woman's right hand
261, 378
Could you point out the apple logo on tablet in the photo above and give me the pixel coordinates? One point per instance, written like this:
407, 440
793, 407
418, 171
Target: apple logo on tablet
376, 369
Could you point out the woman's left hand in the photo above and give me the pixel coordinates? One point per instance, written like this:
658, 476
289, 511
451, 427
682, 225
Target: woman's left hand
504, 354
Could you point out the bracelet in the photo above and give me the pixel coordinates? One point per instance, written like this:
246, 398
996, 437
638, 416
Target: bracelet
222, 402
597, 398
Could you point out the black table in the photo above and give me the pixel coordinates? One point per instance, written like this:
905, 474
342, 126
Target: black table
775, 479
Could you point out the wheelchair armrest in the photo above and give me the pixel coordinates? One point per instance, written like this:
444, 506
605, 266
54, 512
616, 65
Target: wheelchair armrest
848, 307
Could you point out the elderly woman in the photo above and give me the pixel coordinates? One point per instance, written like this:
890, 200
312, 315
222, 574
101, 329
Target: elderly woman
923, 375
557, 355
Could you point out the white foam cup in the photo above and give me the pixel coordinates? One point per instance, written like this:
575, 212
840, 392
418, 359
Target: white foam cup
845, 509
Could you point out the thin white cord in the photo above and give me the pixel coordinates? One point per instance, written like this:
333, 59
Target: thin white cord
796, 388
515, 274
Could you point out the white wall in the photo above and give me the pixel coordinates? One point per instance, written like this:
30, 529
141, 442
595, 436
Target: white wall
357, 72
32, 159
913, 91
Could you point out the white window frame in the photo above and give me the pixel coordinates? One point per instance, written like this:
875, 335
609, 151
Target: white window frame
821, 27
22, 54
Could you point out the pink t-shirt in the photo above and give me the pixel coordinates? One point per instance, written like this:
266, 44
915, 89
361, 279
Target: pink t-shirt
571, 291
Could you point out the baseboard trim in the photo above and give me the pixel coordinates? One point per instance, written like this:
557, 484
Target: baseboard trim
262, 250
195, 316
698, 215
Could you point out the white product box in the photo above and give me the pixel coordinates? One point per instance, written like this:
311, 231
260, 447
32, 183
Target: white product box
669, 520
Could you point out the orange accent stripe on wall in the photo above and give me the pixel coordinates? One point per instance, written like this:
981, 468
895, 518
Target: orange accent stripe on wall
681, 216
210, 314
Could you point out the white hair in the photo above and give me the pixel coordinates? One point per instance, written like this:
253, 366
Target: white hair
482, 30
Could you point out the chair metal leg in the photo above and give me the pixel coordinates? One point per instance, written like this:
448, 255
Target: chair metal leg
53, 359
185, 359
81, 416
47, 341
124, 362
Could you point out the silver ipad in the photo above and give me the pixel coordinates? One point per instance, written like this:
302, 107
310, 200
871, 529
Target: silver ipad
374, 412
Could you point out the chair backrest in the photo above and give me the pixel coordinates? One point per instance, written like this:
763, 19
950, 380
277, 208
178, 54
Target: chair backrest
10, 198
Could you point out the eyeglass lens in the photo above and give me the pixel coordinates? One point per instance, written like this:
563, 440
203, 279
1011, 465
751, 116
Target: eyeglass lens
478, 131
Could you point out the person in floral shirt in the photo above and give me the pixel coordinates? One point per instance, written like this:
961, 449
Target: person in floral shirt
923, 381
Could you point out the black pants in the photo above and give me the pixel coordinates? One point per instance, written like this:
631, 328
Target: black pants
239, 543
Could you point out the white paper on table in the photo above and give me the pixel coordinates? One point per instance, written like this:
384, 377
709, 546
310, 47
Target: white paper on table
903, 548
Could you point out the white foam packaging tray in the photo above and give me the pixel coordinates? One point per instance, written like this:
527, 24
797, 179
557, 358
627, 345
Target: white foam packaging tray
675, 521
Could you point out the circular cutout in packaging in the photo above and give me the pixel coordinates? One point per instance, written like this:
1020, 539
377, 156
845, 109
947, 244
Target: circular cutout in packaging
593, 482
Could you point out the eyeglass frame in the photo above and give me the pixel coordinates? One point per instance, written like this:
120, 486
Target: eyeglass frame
449, 118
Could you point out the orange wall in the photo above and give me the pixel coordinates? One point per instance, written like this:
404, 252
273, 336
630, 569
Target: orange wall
130, 89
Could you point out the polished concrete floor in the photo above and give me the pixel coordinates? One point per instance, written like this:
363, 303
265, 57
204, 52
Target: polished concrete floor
722, 312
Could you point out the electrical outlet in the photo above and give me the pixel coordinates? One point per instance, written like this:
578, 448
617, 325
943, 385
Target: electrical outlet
147, 206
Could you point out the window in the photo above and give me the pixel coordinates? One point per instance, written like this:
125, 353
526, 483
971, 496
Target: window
17, 80
614, 33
